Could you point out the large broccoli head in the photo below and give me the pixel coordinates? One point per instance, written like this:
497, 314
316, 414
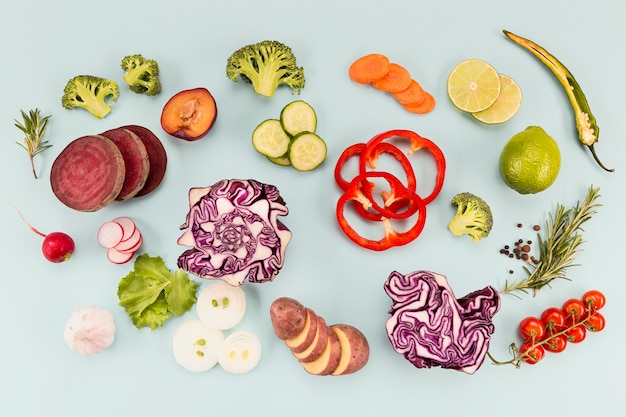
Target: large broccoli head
92, 93
141, 74
473, 217
266, 65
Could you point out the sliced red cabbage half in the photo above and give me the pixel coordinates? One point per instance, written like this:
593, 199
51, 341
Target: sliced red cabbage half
234, 232
432, 328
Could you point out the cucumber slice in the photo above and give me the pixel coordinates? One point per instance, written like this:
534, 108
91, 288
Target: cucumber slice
307, 151
298, 116
281, 160
269, 138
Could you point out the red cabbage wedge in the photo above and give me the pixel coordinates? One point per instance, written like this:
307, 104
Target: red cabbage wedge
431, 327
234, 232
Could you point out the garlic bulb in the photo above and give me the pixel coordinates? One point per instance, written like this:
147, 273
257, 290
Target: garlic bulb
90, 330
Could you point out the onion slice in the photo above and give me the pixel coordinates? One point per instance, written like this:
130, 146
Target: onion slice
195, 346
221, 305
240, 352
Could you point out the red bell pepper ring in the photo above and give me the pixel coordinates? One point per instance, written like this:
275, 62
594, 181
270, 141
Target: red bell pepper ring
417, 142
391, 201
349, 152
391, 236
363, 192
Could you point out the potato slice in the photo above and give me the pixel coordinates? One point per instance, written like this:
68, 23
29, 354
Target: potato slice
304, 339
354, 349
318, 345
329, 359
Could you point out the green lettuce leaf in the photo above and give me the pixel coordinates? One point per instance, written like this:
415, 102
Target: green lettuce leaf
150, 293
178, 293
154, 315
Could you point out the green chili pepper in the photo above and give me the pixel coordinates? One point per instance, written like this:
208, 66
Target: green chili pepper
588, 130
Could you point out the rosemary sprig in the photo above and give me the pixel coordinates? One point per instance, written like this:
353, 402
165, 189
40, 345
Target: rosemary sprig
559, 247
34, 127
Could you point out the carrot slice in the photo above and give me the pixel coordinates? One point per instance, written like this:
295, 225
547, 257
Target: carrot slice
397, 79
369, 68
413, 94
424, 106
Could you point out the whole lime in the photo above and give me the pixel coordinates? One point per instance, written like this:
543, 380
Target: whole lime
530, 161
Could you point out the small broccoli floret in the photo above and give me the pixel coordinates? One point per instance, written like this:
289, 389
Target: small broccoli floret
266, 65
473, 217
94, 94
142, 75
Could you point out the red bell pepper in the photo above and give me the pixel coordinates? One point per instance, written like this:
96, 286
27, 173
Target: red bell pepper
391, 200
401, 201
417, 142
391, 237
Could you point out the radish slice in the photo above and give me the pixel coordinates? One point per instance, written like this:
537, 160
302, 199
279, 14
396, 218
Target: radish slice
122, 246
240, 352
221, 305
118, 257
130, 244
195, 346
110, 234
128, 226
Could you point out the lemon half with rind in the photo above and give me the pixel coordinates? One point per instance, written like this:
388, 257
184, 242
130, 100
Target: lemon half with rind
473, 85
506, 105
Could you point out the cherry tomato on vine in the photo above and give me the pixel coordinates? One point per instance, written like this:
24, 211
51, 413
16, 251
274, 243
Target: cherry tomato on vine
556, 343
553, 319
594, 300
595, 322
532, 329
531, 353
574, 309
576, 334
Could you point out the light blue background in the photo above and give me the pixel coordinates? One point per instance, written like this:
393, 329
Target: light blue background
46, 43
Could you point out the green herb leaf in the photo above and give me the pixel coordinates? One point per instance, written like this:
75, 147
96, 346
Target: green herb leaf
34, 128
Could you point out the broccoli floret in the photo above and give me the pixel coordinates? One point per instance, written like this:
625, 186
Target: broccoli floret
266, 65
92, 93
473, 217
142, 75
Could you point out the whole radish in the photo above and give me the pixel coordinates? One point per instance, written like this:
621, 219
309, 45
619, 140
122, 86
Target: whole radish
57, 246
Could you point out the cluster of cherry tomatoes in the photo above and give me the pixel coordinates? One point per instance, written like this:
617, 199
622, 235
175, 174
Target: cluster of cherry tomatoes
557, 327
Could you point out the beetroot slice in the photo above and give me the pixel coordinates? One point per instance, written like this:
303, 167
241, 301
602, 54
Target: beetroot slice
88, 174
135, 159
156, 155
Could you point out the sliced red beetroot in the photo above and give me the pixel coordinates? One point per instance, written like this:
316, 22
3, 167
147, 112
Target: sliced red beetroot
88, 174
156, 155
118, 257
110, 234
189, 114
135, 159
